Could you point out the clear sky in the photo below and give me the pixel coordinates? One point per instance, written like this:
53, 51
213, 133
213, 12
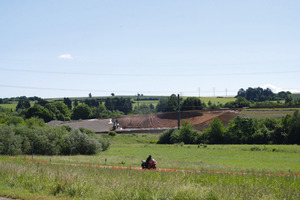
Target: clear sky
70, 48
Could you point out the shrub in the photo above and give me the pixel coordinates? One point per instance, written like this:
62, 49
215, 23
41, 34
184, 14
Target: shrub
153, 141
79, 143
10, 143
112, 133
187, 134
105, 142
255, 148
216, 132
17, 139
169, 136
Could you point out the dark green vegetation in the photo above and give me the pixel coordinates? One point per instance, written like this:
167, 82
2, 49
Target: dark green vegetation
260, 94
264, 97
19, 136
239, 131
24, 179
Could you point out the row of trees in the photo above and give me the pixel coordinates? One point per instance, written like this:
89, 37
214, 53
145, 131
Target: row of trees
90, 108
50, 111
260, 94
113, 107
239, 131
19, 136
170, 104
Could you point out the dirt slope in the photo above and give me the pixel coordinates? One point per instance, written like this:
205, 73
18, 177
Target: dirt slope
200, 119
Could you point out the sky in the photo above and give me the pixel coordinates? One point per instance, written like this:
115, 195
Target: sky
70, 48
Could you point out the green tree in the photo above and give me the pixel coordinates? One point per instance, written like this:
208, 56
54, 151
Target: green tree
186, 133
162, 105
68, 102
291, 127
241, 129
76, 103
216, 132
109, 104
288, 99
40, 112
81, 111
192, 103
240, 102
42, 102
23, 104
172, 103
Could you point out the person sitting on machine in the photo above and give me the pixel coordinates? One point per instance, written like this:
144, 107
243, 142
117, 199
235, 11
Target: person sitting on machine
148, 160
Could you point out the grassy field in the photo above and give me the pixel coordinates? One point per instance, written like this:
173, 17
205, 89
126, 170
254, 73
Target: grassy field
9, 106
153, 102
215, 100
267, 112
21, 178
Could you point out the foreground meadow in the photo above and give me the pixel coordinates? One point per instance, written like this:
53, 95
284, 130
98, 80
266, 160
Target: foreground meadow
270, 172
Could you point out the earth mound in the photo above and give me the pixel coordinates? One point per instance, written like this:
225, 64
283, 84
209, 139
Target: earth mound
198, 118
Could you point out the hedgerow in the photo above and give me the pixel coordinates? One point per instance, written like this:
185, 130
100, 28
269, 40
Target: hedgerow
239, 131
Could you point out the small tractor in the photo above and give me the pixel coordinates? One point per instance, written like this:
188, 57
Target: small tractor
114, 126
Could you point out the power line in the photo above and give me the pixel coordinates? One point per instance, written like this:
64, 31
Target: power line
81, 90
125, 91
149, 75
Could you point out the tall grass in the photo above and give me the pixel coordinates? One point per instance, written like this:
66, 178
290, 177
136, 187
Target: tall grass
34, 180
20, 178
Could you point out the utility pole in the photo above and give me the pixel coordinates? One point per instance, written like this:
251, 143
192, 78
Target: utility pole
199, 91
138, 99
178, 112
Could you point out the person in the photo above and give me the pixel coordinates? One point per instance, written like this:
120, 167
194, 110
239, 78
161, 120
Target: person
148, 160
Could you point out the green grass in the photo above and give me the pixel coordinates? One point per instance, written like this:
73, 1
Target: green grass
128, 150
24, 179
9, 106
148, 102
28, 180
215, 100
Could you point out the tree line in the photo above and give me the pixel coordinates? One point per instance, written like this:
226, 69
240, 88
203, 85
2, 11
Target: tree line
239, 131
68, 109
260, 94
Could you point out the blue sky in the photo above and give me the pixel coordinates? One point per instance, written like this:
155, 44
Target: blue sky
73, 48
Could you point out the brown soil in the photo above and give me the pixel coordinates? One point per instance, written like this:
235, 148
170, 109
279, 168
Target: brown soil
199, 119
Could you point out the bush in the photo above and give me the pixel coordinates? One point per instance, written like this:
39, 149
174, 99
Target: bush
105, 142
187, 134
80, 143
10, 143
17, 139
255, 148
153, 141
166, 137
112, 133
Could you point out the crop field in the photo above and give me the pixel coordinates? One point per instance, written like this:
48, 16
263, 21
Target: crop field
224, 172
271, 112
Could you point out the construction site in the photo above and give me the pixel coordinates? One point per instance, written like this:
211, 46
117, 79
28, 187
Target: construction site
153, 123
